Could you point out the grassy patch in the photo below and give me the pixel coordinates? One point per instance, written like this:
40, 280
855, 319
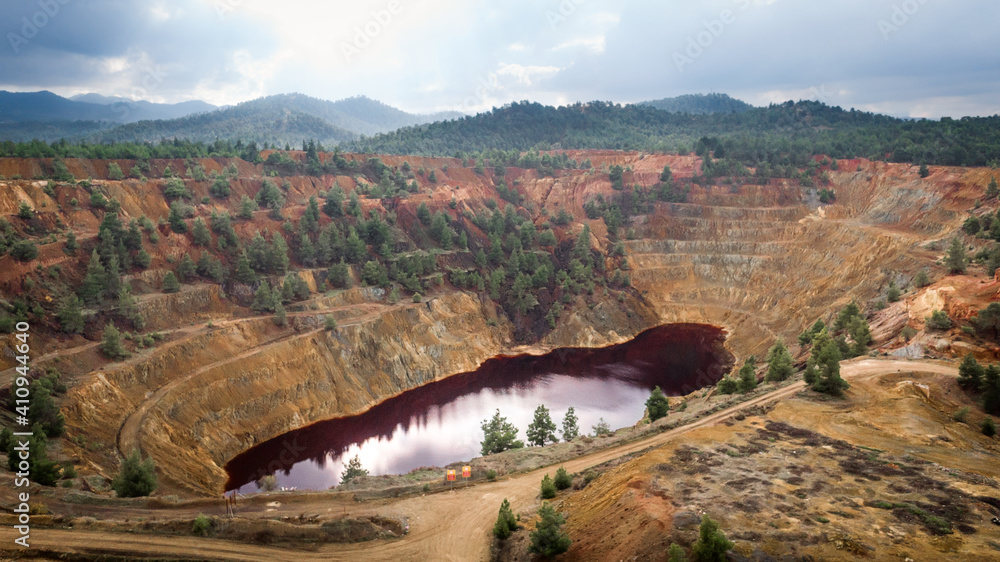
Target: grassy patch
936, 525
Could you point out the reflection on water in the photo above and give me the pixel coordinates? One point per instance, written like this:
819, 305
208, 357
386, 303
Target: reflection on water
439, 423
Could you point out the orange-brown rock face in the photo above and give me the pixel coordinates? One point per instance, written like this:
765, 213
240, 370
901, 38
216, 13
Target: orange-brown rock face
760, 261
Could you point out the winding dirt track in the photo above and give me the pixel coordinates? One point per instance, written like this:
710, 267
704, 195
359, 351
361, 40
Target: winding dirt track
445, 526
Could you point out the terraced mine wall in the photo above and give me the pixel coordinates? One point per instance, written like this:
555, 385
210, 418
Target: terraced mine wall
759, 261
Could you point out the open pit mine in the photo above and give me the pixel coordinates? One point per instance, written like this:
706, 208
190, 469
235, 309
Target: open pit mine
249, 331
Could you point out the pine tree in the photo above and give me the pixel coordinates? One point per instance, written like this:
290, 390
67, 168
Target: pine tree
506, 523
548, 538
548, 490
245, 273
956, 258
186, 269
41, 470
45, 411
143, 259
542, 428
424, 214
712, 544
355, 250
991, 390
92, 290
779, 363
287, 290
247, 208
748, 375
844, 317
657, 405
352, 470
892, 293
310, 218
71, 244
824, 363
499, 435
861, 334
111, 343
135, 478
562, 480
263, 299
175, 219
676, 553
992, 190
280, 316
200, 233
727, 385
71, 315
334, 204
128, 308
570, 425
277, 256
170, 283
337, 275
970, 373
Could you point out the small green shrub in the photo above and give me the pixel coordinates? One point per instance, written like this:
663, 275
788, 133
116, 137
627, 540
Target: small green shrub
563, 479
548, 488
202, 524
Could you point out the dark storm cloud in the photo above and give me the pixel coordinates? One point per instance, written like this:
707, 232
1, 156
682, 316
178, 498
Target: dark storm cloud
101, 44
905, 57
857, 53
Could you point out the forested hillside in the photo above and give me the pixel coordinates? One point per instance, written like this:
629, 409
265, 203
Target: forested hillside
779, 134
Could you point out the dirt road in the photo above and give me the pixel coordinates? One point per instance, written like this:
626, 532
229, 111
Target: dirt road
444, 526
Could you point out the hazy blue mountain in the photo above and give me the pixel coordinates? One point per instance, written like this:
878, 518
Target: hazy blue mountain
20, 107
359, 114
142, 110
284, 118
250, 121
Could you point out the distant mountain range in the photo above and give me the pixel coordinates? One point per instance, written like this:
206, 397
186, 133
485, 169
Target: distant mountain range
20, 107
278, 120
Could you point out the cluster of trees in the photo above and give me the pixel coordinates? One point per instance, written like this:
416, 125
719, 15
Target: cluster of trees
499, 435
172, 149
984, 382
48, 423
548, 539
779, 368
21, 249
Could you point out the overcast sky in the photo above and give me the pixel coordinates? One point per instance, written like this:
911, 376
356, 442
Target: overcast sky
920, 58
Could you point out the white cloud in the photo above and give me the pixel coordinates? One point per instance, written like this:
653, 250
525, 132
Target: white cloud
593, 44
527, 75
